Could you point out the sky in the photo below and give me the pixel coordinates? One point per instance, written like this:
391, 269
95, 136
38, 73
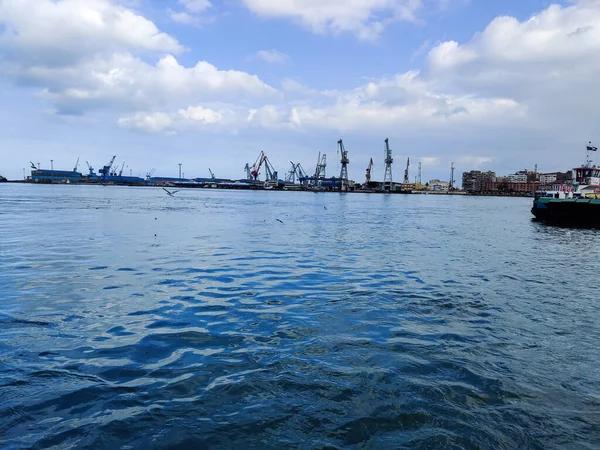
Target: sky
497, 85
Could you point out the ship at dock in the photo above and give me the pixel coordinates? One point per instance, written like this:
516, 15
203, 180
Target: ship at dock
576, 204
109, 174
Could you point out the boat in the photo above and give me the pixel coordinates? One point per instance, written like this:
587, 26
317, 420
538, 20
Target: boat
574, 203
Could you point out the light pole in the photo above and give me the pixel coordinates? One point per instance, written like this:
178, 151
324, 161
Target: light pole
52, 165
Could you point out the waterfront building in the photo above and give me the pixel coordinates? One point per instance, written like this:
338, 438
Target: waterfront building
55, 176
439, 186
473, 181
548, 179
519, 177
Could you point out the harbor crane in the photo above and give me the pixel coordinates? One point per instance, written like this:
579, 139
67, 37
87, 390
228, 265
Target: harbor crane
76, 165
387, 178
149, 174
302, 175
105, 171
296, 172
90, 170
451, 187
345, 161
271, 173
368, 175
212, 175
248, 172
291, 175
321, 169
121, 171
406, 180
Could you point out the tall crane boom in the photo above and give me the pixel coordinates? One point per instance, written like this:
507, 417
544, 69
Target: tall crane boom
321, 169
271, 173
387, 178
345, 161
406, 180
105, 171
368, 175
76, 165
255, 169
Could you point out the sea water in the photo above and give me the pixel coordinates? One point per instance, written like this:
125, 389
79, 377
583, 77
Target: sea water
242, 319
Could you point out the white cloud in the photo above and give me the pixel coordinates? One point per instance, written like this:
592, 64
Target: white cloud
365, 18
474, 162
547, 63
430, 160
201, 114
272, 56
124, 81
220, 118
269, 117
59, 33
184, 17
193, 14
196, 6
408, 101
149, 123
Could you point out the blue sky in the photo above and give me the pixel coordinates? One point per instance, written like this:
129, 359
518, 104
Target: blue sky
498, 85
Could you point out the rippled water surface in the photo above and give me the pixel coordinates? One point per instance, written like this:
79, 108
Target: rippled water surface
129, 319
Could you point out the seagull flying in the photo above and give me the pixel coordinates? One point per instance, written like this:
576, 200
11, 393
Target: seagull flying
171, 192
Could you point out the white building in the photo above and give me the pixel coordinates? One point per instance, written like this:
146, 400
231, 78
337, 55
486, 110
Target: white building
548, 178
439, 186
518, 178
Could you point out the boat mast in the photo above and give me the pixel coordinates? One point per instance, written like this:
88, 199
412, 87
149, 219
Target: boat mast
589, 149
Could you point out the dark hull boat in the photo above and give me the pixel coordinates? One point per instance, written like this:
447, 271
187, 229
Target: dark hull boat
575, 204
583, 212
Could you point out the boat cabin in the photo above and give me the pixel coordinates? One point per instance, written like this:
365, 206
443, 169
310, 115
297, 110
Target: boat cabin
589, 176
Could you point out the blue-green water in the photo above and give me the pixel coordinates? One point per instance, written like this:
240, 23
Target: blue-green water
129, 319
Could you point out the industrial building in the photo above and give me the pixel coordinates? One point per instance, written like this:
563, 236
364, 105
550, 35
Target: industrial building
473, 181
55, 176
439, 186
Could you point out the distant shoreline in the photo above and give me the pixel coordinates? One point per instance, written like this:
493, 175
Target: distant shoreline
294, 188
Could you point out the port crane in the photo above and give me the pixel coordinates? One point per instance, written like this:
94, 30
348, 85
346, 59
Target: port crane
149, 174
212, 175
90, 169
368, 174
76, 165
387, 178
406, 180
296, 171
105, 171
321, 169
121, 171
271, 173
291, 175
248, 172
345, 161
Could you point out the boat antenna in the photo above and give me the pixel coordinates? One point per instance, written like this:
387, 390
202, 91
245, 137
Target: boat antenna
590, 148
